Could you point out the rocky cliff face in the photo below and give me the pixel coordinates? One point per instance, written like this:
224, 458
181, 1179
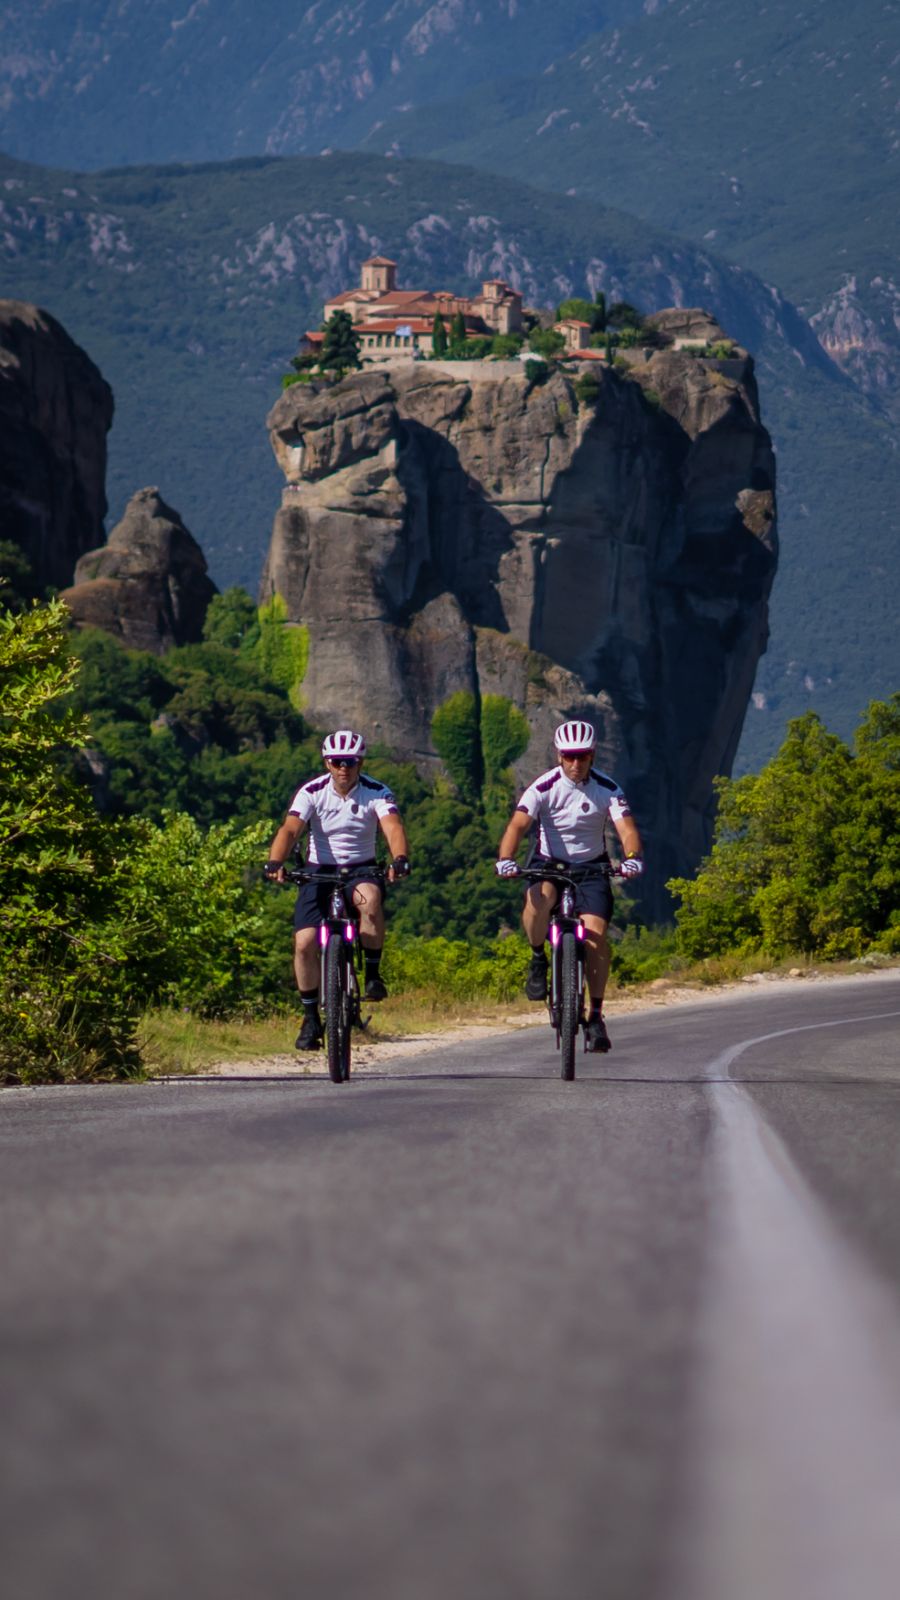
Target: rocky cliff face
55, 413
607, 556
148, 586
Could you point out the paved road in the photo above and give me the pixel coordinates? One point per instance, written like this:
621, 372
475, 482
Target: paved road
463, 1330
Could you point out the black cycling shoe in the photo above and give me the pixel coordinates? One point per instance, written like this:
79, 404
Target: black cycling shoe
596, 1036
376, 988
311, 1034
536, 981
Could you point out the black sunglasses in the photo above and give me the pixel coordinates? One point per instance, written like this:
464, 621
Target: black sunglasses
342, 761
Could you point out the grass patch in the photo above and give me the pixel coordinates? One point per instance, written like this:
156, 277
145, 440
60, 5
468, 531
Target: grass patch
178, 1042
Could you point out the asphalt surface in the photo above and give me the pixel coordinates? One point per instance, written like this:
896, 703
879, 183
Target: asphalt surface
463, 1330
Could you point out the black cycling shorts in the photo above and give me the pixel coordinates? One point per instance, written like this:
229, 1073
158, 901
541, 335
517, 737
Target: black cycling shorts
594, 897
313, 898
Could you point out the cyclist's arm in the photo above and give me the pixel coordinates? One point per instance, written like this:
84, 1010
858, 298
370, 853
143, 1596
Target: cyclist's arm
517, 827
285, 841
395, 835
630, 839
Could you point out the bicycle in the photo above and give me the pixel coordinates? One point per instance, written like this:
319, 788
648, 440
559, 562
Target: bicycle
565, 999
341, 957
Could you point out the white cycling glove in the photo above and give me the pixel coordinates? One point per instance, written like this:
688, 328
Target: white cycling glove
632, 867
506, 868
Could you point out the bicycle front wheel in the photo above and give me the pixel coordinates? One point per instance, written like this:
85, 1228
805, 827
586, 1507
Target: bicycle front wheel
570, 1006
337, 1026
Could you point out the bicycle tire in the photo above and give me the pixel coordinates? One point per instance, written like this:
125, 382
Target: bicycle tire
347, 1014
337, 1035
569, 1006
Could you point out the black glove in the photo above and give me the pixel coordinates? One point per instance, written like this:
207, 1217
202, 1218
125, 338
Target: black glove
401, 866
271, 870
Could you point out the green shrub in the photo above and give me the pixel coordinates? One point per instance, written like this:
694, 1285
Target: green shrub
456, 735
587, 390
455, 970
806, 854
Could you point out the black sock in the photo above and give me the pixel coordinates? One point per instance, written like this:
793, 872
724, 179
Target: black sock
373, 960
539, 949
596, 1007
310, 999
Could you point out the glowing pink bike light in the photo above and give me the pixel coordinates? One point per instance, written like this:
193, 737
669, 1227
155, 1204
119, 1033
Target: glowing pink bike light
579, 930
323, 934
349, 932
554, 934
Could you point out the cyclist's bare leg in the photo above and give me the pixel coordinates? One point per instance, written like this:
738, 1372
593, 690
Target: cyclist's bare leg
306, 958
367, 899
539, 902
597, 955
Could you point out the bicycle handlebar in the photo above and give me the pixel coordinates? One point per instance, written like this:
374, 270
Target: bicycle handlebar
565, 872
333, 875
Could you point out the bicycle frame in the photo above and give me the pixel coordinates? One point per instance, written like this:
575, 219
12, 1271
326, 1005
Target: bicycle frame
563, 920
340, 960
566, 932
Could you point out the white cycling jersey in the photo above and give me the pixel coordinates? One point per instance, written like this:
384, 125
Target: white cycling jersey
342, 828
571, 817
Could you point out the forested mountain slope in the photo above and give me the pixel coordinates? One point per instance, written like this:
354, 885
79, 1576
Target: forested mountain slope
109, 82
189, 287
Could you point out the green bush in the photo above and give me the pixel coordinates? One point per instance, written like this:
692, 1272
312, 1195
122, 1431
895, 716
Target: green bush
546, 342
587, 390
452, 969
456, 736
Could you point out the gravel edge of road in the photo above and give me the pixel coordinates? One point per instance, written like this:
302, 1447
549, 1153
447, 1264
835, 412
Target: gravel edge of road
370, 1054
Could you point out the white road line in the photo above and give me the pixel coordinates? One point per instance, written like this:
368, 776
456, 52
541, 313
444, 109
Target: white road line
720, 1067
793, 1487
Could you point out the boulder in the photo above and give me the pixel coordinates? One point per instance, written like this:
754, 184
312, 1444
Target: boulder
148, 586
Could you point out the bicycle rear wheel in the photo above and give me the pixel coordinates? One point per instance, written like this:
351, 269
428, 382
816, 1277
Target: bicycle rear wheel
337, 1028
569, 1006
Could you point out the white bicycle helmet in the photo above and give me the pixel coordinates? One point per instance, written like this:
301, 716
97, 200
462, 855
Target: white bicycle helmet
346, 743
574, 738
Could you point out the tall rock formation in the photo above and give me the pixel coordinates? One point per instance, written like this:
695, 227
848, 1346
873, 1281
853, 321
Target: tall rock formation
55, 413
600, 545
148, 586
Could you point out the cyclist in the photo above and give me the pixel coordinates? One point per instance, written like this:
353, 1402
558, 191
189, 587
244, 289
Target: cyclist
570, 805
343, 810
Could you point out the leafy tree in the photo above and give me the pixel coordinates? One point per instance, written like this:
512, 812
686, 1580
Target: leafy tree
505, 734
806, 853
546, 342
457, 740
506, 344
340, 348
458, 331
231, 620
599, 318
18, 587
438, 336
624, 315
283, 647
63, 1012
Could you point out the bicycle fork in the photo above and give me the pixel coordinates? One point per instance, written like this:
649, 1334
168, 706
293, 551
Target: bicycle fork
559, 927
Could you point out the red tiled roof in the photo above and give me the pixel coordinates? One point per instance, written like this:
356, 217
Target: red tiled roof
391, 324
379, 261
583, 355
351, 294
314, 338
